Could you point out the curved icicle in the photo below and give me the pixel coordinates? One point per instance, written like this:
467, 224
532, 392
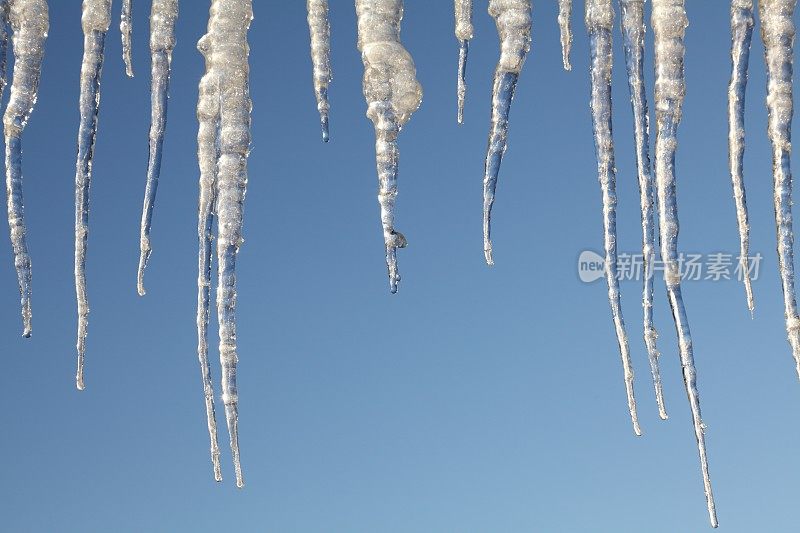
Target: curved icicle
126, 29
320, 30
633, 31
778, 32
96, 21
393, 94
741, 37
464, 30
669, 27
564, 14
513, 20
29, 22
599, 23
163, 15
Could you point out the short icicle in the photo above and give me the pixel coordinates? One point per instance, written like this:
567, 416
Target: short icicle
163, 15
96, 21
669, 27
320, 30
633, 32
599, 24
126, 29
564, 15
29, 20
464, 30
393, 94
513, 20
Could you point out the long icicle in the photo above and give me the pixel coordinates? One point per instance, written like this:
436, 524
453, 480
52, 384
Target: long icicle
163, 15
513, 20
207, 156
96, 20
669, 27
464, 30
778, 32
741, 37
633, 31
126, 29
393, 94
599, 24
29, 20
320, 30
564, 15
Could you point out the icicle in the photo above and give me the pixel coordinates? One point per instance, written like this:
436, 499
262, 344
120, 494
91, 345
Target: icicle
564, 14
777, 32
126, 28
29, 21
741, 36
633, 31
463, 10
163, 15
513, 20
599, 23
96, 20
669, 27
320, 30
393, 94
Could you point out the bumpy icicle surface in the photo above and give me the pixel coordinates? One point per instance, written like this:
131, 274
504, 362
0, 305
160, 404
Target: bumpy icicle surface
29, 22
741, 37
513, 20
224, 137
126, 29
669, 27
633, 32
599, 22
96, 20
778, 32
564, 14
464, 30
163, 15
392, 93
320, 29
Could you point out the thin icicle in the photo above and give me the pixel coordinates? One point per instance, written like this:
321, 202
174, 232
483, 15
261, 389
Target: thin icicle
126, 29
464, 30
564, 14
513, 20
633, 31
96, 20
777, 32
163, 15
669, 27
393, 94
741, 37
320, 30
29, 20
599, 23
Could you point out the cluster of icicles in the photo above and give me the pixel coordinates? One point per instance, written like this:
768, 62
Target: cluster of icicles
393, 94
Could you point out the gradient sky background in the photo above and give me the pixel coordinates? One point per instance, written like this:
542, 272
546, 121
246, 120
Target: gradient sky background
475, 400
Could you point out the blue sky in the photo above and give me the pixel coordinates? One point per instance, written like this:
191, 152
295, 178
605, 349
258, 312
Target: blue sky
477, 399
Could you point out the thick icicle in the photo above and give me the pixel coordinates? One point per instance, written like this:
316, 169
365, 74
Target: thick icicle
320, 30
777, 32
96, 20
29, 21
513, 20
393, 94
126, 29
599, 23
669, 27
633, 31
564, 14
741, 37
463, 10
163, 15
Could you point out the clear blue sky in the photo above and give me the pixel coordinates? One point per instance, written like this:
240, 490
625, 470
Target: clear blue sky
475, 400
